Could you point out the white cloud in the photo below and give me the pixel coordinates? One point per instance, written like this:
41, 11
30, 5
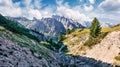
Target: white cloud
110, 6
72, 13
88, 8
34, 13
10, 9
92, 1
37, 4
47, 12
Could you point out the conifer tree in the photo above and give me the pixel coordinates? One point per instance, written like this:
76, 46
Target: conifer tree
95, 28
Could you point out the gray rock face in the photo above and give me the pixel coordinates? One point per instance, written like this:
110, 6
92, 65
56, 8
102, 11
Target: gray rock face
23, 21
68, 23
49, 26
12, 55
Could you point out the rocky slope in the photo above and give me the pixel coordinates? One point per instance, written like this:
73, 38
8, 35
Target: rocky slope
106, 50
20, 51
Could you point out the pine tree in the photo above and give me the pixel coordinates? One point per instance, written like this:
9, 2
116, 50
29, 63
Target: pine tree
68, 31
60, 37
95, 28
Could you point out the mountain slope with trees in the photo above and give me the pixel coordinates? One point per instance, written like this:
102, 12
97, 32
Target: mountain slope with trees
19, 50
95, 42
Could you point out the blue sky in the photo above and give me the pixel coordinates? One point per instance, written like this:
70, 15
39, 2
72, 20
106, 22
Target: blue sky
107, 11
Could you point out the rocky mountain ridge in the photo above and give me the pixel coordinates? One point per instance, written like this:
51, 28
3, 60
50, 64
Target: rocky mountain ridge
52, 26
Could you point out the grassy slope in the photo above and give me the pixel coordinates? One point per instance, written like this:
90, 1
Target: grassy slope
16, 27
79, 32
25, 41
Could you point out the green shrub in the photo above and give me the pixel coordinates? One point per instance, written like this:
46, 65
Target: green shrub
68, 31
56, 45
93, 41
48, 45
33, 50
2, 28
117, 58
61, 37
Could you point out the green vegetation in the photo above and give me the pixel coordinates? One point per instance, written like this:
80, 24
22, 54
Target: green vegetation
115, 28
68, 31
24, 41
95, 28
56, 45
93, 41
117, 58
78, 33
61, 37
48, 45
95, 34
2, 28
15, 27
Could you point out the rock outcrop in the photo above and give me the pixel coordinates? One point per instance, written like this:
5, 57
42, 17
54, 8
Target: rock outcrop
12, 55
107, 49
49, 26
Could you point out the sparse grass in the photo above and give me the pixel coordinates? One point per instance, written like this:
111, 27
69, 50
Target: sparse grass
116, 63
48, 45
24, 41
93, 41
111, 29
77, 33
16, 28
117, 58
2, 28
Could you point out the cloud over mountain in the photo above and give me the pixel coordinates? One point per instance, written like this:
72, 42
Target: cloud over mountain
79, 10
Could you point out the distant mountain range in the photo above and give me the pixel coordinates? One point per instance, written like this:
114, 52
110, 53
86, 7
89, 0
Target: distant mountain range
107, 25
54, 25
